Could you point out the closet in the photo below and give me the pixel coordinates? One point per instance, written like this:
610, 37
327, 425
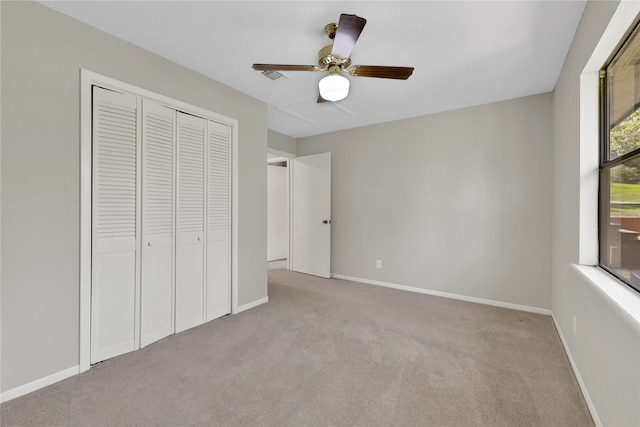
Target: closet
160, 222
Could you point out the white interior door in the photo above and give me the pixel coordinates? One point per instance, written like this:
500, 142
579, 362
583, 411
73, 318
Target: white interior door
191, 222
160, 223
158, 135
114, 224
311, 230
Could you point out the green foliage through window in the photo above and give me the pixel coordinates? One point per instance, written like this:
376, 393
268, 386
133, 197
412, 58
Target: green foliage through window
625, 136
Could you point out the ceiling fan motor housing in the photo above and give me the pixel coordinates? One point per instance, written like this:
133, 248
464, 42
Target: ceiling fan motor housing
326, 59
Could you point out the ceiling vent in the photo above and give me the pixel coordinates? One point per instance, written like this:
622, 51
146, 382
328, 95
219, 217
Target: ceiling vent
274, 75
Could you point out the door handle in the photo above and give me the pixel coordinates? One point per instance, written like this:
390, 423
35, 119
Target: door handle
149, 243
199, 238
326, 221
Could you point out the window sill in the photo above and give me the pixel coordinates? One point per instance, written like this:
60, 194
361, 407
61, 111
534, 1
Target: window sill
622, 298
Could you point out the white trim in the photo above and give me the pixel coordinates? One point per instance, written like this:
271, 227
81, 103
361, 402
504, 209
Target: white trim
619, 296
280, 153
87, 79
85, 220
250, 305
39, 383
589, 167
234, 218
272, 160
574, 366
113, 84
447, 295
138, 280
290, 210
0, 216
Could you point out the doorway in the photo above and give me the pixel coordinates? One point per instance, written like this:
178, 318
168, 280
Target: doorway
278, 217
299, 224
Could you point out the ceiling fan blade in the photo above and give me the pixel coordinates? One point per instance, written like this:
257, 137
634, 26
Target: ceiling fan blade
349, 29
283, 67
382, 72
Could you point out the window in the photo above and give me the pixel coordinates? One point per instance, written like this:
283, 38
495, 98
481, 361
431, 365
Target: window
619, 198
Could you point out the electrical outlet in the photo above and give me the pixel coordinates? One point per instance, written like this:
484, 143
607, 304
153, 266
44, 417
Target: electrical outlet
379, 264
575, 326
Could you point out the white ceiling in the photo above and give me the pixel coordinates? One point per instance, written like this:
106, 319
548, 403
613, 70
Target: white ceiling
464, 52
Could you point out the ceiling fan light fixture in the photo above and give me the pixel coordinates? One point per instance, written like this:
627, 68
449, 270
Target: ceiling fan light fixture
334, 87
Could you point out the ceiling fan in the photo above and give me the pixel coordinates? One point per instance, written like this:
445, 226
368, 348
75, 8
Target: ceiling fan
336, 59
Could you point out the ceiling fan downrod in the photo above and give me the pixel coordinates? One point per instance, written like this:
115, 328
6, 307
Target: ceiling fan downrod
331, 29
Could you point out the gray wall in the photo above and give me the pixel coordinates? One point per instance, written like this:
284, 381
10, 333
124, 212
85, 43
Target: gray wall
457, 202
42, 53
277, 212
281, 142
606, 349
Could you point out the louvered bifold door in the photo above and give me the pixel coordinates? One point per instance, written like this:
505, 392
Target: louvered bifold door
218, 220
114, 224
190, 244
158, 135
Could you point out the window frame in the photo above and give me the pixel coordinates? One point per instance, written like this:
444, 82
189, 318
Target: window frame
606, 164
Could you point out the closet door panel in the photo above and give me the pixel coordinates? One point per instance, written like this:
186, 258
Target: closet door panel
190, 245
114, 309
158, 146
190, 290
156, 309
114, 224
218, 278
218, 220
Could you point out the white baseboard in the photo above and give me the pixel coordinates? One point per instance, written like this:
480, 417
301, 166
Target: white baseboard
74, 370
583, 387
251, 305
447, 295
39, 383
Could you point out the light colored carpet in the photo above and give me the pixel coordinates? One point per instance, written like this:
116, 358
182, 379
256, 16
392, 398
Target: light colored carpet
330, 352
